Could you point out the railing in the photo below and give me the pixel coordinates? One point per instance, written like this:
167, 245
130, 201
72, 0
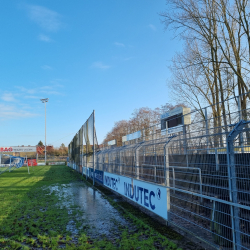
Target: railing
205, 169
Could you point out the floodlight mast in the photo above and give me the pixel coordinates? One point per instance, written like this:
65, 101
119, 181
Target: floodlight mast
45, 152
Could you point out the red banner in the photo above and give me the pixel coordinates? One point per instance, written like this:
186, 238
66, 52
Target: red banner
9, 149
32, 162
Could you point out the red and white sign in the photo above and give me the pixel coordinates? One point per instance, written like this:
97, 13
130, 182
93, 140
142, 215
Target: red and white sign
32, 162
18, 149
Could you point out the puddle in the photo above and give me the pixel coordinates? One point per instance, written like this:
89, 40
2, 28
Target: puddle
100, 218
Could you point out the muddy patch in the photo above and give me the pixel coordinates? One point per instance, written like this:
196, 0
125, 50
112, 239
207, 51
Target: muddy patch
100, 219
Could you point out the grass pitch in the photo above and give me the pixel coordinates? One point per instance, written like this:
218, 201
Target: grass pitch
33, 216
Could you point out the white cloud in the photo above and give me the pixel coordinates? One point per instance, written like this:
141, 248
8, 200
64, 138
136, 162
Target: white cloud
100, 65
12, 112
46, 67
47, 19
27, 91
39, 92
152, 27
8, 97
44, 38
31, 97
119, 44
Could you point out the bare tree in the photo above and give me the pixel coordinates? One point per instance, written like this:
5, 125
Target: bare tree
216, 35
141, 119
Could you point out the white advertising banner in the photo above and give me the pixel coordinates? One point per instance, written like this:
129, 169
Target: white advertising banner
115, 182
151, 196
176, 111
132, 136
41, 164
173, 130
113, 142
17, 149
57, 163
84, 170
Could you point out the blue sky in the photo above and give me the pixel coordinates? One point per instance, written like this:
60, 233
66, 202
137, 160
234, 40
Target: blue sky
111, 56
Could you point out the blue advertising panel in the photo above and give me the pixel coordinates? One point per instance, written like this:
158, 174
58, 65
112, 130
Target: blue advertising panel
84, 170
98, 174
152, 197
90, 172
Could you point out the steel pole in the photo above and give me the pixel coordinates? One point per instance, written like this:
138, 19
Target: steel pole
45, 136
94, 147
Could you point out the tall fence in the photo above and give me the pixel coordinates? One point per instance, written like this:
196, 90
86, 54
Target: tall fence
205, 169
83, 145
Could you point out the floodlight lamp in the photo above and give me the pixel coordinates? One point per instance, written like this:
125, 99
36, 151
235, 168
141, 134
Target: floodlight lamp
44, 100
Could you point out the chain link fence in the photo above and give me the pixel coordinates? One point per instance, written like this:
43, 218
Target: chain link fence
205, 167
84, 143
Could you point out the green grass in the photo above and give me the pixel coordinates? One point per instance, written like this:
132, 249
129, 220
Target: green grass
32, 217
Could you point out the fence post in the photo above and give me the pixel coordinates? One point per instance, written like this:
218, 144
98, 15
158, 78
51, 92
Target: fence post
185, 140
120, 160
207, 130
166, 175
154, 144
137, 163
166, 169
10, 164
108, 162
86, 156
216, 159
28, 165
233, 190
82, 163
94, 147
240, 118
103, 162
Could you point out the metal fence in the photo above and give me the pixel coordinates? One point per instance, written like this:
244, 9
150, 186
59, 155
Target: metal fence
83, 145
205, 168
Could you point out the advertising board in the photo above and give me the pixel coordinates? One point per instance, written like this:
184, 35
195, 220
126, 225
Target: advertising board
84, 170
176, 111
41, 164
113, 142
56, 163
32, 162
175, 119
17, 149
150, 196
173, 130
98, 175
132, 136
